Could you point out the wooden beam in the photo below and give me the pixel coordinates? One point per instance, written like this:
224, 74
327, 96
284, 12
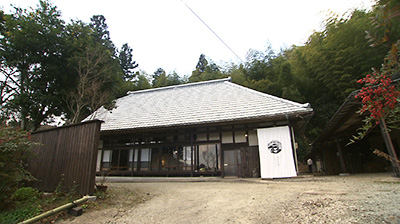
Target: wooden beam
390, 147
341, 158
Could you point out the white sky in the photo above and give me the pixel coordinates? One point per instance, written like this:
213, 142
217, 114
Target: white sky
166, 34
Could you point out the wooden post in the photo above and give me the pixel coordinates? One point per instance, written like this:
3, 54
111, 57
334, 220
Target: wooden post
133, 160
341, 158
390, 148
294, 150
191, 155
119, 159
217, 156
139, 162
222, 157
101, 160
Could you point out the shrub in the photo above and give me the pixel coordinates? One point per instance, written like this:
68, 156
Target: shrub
17, 215
25, 205
15, 149
27, 194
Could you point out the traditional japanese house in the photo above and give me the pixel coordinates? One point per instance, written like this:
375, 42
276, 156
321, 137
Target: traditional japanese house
203, 128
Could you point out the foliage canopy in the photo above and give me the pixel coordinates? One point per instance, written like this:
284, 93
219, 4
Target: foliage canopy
45, 60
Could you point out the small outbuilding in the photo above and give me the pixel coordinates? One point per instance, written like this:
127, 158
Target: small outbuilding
204, 128
334, 153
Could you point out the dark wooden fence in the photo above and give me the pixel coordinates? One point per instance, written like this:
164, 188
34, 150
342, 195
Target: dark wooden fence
67, 156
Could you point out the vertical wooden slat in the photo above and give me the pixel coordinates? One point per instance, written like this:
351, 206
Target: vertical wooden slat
69, 150
250, 161
390, 148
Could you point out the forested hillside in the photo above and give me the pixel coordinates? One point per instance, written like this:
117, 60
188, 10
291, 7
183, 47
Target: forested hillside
50, 67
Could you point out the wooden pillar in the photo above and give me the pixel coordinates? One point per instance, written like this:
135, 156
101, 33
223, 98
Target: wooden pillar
160, 153
119, 158
341, 158
390, 148
196, 158
294, 150
293, 143
191, 155
133, 160
222, 157
101, 160
217, 156
322, 158
139, 162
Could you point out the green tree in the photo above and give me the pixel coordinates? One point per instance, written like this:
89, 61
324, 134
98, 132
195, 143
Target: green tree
205, 70
258, 65
159, 78
236, 72
32, 52
202, 63
101, 33
200, 68
44, 62
99, 76
385, 23
272, 73
330, 63
127, 63
93, 68
174, 79
142, 82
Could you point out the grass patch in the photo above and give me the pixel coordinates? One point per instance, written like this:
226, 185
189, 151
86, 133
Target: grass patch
116, 196
28, 203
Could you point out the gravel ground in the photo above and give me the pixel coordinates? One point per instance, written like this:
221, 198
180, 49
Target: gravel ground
364, 198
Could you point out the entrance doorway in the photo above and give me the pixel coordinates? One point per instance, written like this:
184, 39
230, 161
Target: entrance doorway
242, 162
232, 162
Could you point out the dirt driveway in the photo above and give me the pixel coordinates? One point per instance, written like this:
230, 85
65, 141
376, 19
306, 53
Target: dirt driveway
366, 198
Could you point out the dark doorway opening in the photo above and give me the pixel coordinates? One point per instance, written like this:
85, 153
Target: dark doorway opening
232, 162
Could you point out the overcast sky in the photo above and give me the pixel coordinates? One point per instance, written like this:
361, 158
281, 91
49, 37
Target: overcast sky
166, 34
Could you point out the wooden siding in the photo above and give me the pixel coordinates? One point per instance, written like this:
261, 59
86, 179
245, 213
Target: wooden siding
250, 162
66, 154
358, 158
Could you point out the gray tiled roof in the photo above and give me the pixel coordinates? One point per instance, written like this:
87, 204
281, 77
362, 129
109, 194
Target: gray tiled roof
194, 103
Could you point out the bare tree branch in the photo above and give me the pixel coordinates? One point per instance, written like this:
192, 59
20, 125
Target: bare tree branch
92, 69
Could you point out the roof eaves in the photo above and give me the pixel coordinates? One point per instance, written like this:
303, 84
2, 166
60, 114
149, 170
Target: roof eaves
285, 115
305, 105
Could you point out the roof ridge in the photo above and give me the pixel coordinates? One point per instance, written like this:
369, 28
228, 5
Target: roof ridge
305, 105
181, 85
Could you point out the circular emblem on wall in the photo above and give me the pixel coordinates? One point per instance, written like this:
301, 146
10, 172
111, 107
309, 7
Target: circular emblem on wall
275, 146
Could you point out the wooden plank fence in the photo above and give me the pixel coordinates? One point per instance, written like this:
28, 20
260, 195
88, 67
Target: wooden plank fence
67, 155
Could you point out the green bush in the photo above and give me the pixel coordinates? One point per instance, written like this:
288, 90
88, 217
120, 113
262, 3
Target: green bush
25, 205
20, 214
28, 194
28, 202
15, 148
